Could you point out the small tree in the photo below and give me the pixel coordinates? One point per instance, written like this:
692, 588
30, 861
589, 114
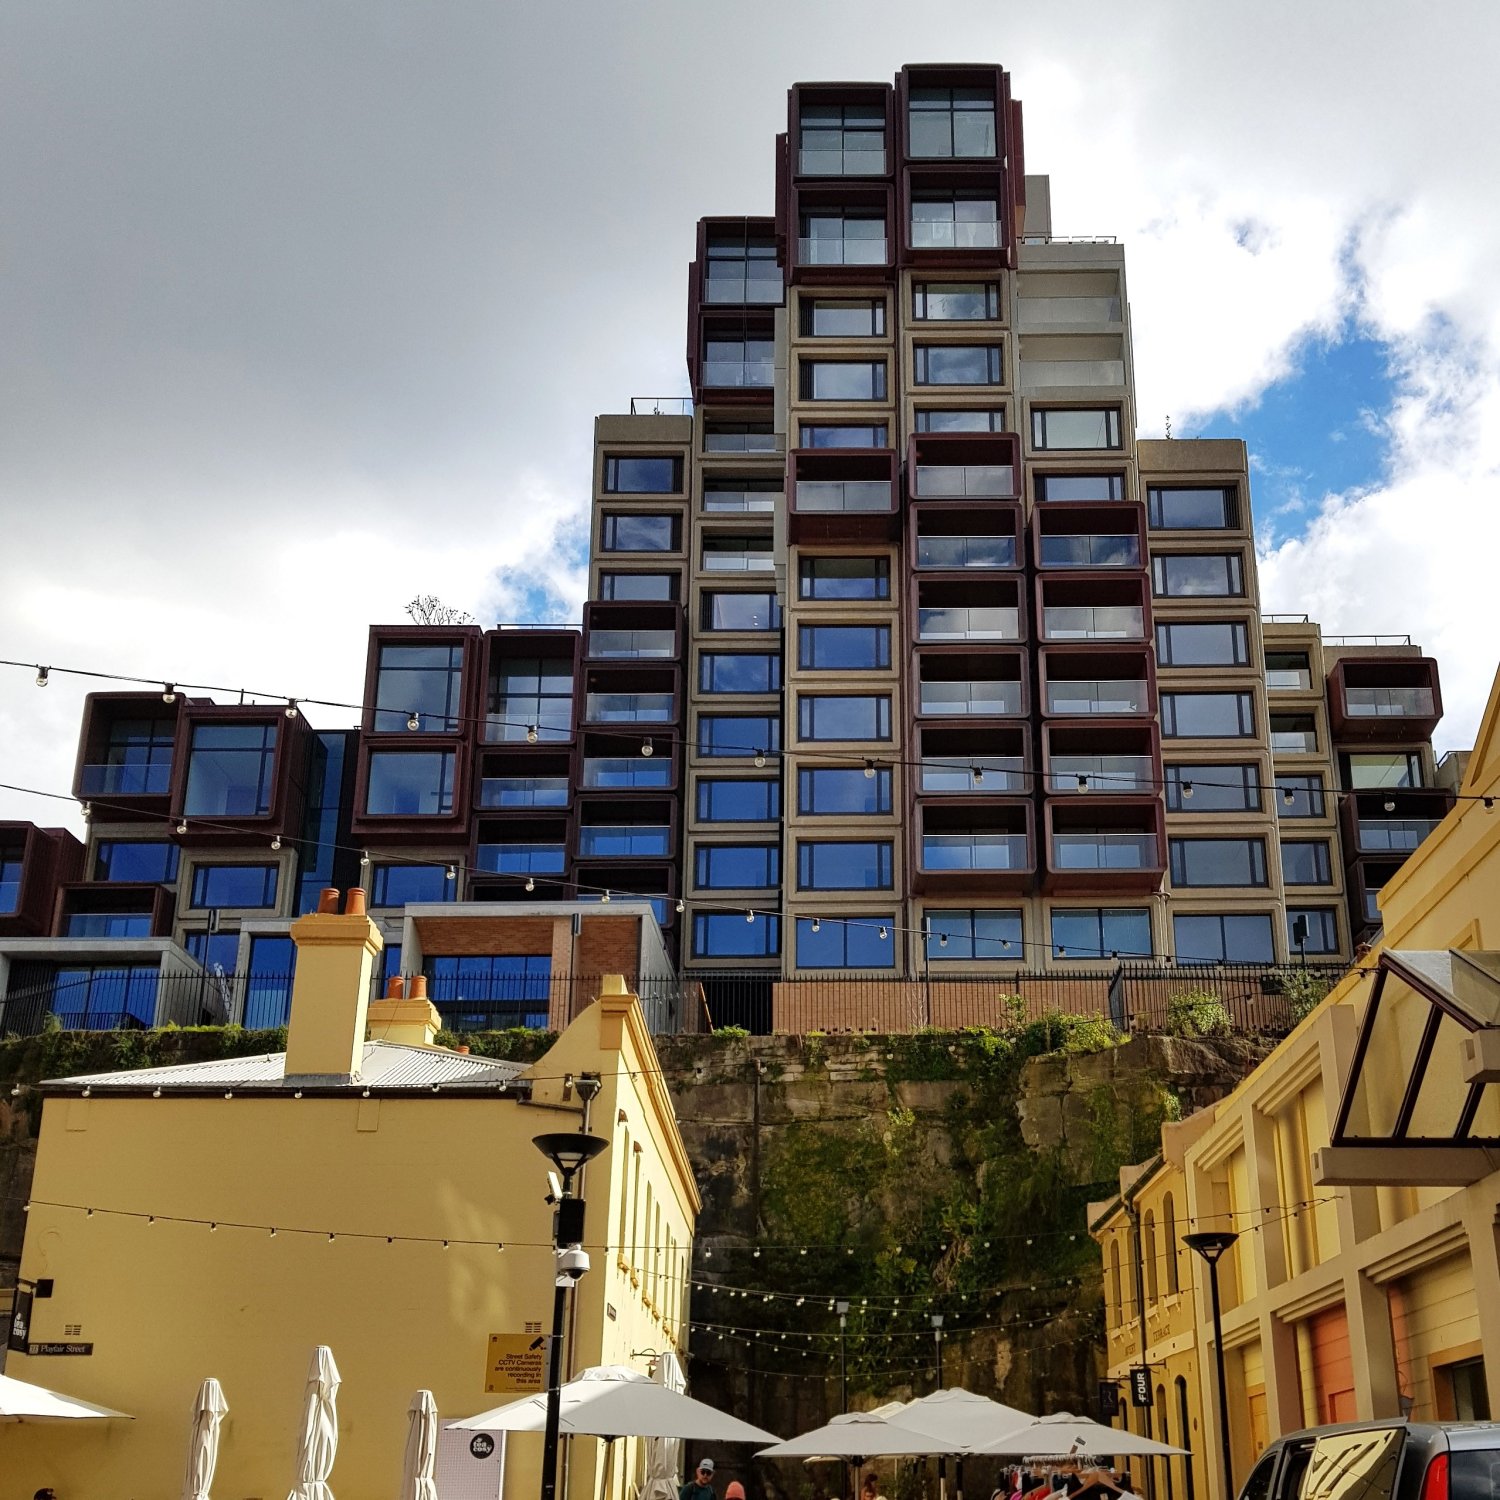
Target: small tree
428, 609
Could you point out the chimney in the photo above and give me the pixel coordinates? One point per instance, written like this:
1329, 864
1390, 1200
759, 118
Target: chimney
406, 1016
330, 993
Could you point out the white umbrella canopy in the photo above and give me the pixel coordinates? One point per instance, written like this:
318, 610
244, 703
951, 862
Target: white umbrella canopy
611, 1401
962, 1415
318, 1441
863, 1434
1067, 1436
20, 1401
209, 1407
419, 1469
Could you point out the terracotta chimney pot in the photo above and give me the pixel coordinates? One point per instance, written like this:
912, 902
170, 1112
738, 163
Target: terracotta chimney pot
328, 899
354, 902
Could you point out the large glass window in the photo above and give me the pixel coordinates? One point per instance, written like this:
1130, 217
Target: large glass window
1305, 862
152, 860
1191, 509
422, 680
1064, 488
1229, 938
1300, 796
627, 531
955, 301
843, 380
841, 866
1198, 575
739, 734
1217, 862
840, 716
636, 475
862, 942
843, 791
1101, 932
396, 885
108, 924
531, 694
945, 122
729, 935
738, 437
410, 783
724, 799
739, 671
741, 269
1089, 427
1382, 769
87, 997
739, 361
652, 586
956, 364
834, 237
1195, 716
268, 986
741, 611
843, 435
975, 419
974, 933
954, 221
1216, 643
1210, 788
522, 859
845, 578
482, 992
1294, 734
10, 876
841, 140
848, 648
234, 885
843, 317
750, 553
737, 867
230, 770
1318, 931
137, 759
217, 952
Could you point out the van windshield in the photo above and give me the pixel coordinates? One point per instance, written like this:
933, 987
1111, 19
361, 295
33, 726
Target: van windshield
1354, 1465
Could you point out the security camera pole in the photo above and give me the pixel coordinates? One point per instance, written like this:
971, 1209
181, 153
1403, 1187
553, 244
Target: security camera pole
568, 1153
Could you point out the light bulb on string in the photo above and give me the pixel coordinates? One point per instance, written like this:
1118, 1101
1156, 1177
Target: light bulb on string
276, 842
168, 693
530, 883
364, 859
414, 721
760, 759
182, 825
749, 916
647, 748
817, 925
681, 906
869, 770
291, 708
42, 674
452, 873
531, 734
1187, 789
604, 899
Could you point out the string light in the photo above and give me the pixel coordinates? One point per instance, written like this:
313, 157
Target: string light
42, 674
364, 859
978, 773
452, 873
168, 693
647, 748
530, 883
414, 721
531, 734
604, 899
1187, 789
182, 825
276, 842
817, 925
291, 708
760, 759
681, 906
869, 770
749, 916
1083, 783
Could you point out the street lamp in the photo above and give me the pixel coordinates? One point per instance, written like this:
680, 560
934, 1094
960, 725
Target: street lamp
568, 1152
937, 1342
842, 1309
1211, 1245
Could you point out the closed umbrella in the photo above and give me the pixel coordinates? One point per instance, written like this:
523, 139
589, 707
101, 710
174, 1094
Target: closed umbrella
318, 1442
1063, 1435
203, 1445
419, 1471
20, 1401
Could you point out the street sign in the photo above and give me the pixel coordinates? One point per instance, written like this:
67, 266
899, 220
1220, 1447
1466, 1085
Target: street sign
516, 1364
1140, 1385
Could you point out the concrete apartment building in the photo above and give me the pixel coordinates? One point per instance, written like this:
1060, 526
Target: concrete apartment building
902, 656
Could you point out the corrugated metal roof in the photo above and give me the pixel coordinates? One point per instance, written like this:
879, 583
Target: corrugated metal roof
387, 1065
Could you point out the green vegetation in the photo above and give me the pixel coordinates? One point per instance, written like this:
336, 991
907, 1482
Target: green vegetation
1304, 990
1197, 1013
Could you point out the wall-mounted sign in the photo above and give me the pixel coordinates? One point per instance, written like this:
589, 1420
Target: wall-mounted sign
20, 1321
35, 1349
516, 1364
481, 1445
1140, 1385
1109, 1400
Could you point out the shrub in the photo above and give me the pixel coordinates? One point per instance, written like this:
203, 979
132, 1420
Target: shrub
1304, 989
1197, 1013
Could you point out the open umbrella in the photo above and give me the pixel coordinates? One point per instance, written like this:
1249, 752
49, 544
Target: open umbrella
611, 1401
964, 1416
1066, 1436
419, 1471
203, 1446
318, 1441
862, 1434
20, 1401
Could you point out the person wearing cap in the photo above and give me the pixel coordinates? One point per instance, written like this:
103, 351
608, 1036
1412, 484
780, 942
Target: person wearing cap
701, 1486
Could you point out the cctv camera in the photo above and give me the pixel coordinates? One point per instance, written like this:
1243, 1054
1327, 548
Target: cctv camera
572, 1262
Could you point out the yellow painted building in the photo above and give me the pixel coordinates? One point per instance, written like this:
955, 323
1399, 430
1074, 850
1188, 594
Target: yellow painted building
224, 1218
1360, 1166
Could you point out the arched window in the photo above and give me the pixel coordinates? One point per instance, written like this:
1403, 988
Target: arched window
625, 1203
1184, 1423
1148, 1250
1169, 1233
1116, 1307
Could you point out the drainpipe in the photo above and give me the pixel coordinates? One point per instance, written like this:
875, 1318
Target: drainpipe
1133, 1214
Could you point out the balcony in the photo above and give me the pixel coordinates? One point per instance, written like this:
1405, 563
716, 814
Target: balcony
625, 841
849, 161
1294, 734
844, 250
1066, 312
1091, 550
1097, 843
1288, 672
626, 772
521, 859
1107, 760
987, 698
968, 623
630, 708
127, 750
842, 495
972, 761
978, 844
838, 230
974, 851
1085, 696
1392, 835
1101, 622
122, 779
1391, 822
949, 234
965, 482
1111, 775
521, 792
1394, 700
632, 645
733, 374
740, 497
956, 553
1103, 851
963, 466
119, 909
720, 557
1041, 373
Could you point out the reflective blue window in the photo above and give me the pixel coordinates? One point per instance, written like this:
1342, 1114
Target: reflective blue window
741, 611
739, 734
410, 783
152, 860
10, 876
268, 988
642, 476
826, 435
218, 952
624, 841
723, 799
234, 885
848, 648
844, 866
137, 759
522, 859
326, 759
490, 991
395, 885
1206, 939
842, 716
845, 578
846, 943
741, 867
977, 933
829, 791
109, 924
425, 680
627, 532
1092, 932
531, 695
729, 935
88, 997
739, 671
230, 770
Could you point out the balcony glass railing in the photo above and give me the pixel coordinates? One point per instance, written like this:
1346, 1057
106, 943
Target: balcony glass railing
1038, 372
1288, 679
930, 234
1095, 550
1103, 851
974, 851
850, 252
629, 708
737, 562
522, 859
845, 163
1032, 311
152, 780
965, 481
970, 698
626, 772
1387, 702
1399, 834
624, 841
1101, 622
966, 551
743, 290
514, 719
109, 924
978, 623
739, 442
523, 791
1122, 775
844, 495
985, 773
722, 373
1098, 695
1294, 741
632, 644
739, 502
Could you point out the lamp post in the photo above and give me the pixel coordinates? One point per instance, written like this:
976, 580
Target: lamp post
1211, 1245
568, 1152
842, 1309
937, 1344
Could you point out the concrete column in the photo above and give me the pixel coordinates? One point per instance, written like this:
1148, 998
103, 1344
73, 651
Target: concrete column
1484, 1261
1372, 1346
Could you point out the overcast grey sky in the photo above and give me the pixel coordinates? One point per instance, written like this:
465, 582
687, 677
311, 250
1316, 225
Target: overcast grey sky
307, 307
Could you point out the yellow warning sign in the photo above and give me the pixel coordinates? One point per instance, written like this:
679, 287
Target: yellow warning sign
517, 1363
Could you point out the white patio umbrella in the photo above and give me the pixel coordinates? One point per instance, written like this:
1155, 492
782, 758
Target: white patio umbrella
611, 1401
1066, 1436
20, 1401
203, 1446
862, 1434
318, 1442
419, 1470
964, 1416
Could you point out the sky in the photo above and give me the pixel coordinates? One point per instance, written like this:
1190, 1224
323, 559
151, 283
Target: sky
307, 307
